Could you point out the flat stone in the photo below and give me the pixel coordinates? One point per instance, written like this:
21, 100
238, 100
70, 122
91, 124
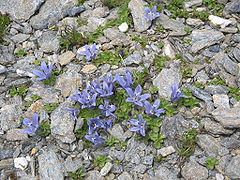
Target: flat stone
6, 163
16, 135
140, 168
51, 12
215, 148
228, 117
165, 79
72, 165
49, 42
25, 66
117, 132
21, 163
163, 173
89, 68
134, 58
2, 69
19, 38
216, 89
165, 151
66, 58
232, 7
231, 30
236, 53
125, 176
205, 38
20, 10
94, 175
168, 50
221, 101
123, 27
106, 169
194, 22
50, 166
199, 93
194, 171
218, 21
137, 10
6, 153
10, 117
232, 170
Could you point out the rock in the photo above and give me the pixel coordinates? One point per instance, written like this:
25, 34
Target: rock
214, 127
23, 27
229, 79
148, 160
75, 10
194, 171
134, 58
19, 38
68, 82
123, 27
215, 148
89, 68
50, 166
21, 163
163, 173
20, 10
236, 53
117, 132
216, 89
16, 135
10, 117
232, 170
25, 66
228, 117
100, 12
66, 58
165, 151
106, 169
125, 176
6, 163
49, 42
194, 22
114, 154
117, 38
177, 27
168, 50
231, 30
62, 124
218, 21
137, 10
189, 4
219, 176
199, 93
140, 168
94, 175
7, 58
165, 79
232, 7
231, 142
72, 165
205, 38
2, 69
6, 153
221, 101
51, 12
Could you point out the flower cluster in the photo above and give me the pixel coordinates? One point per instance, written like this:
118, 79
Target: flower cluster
90, 52
45, 73
151, 14
32, 126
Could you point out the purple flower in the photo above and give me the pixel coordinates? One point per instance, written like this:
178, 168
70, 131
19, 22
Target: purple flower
96, 139
94, 124
45, 73
153, 109
176, 93
136, 97
107, 109
151, 14
90, 53
109, 79
108, 123
105, 90
126, 81
140, 125
32, 126
74, 113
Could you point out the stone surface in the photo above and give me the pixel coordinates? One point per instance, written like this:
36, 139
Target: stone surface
125, 176
62, 124
2, 69
189, 4
19, 38
165, 151
123, 27
228, 117
221, 101
194, 22
199, 93
194, 171
216, 89
20, 163
117, 132
71, 165
106, 169
6, 163
66, 58
25, 66
137, 10
218, 21
168, 50
232, 170
134, 58
233, 7
6, 153
16, 135
140, 168
20, 10
163, 173
50, 166
49, 42
165, 79
89, 68
94, 175
51, 12
205, 38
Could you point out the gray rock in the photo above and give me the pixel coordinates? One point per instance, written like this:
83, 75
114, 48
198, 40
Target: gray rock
165, 79
7, 58
125, 176
94, 175
205, 38
24, 66
106, 169
194, 171
20, 10
221, 101
194, 22
236, 53
233, 7
72, 165
6, 163
49, 42
50, 166
236, 38
229, 79
134, 58
189, 4
163, 173
16, 135
75, 10
117, 38
199, 93
117, 169
2, 69
10, 116
216, 89
228, 117
62, 124
140, 168
137, 10
136, 159
231, 142
201, 77
148, 160
23, 27
165, 151
66, 57
118, 155
232, 170
19, 38
131, 150
51, 12
177, 27
6, 153
215, 148
117, 132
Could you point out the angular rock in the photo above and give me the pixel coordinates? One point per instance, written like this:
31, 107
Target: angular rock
216, 148
205, 38
105, 170
168, 50
140, 168
229, 79
20, 10
89, 68
10, 117
66, 57
148, 160
51, 12
49, 42
194, 22
94, 175
2, 69
16, 135
233, 7
7, 58
125, 176
72, 165
189, 4
137, 10
25, 66
21, 163
228, 117
6, 153
194, 171
50, 166
163, 173
134, 58
218, 21
236, 53
216, 89
199, 93
221, 101
117, 132
19, 38
232, 170
165, 151
6, 163
165, 79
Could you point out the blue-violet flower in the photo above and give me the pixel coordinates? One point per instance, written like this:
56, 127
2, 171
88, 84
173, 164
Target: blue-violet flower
90, 52
106, 89
151, 14
107, 109
176, 93
136, 97
153, 109
32, 126
96, 139
140, 125
45, 73
94, 124
74, 113
126, 81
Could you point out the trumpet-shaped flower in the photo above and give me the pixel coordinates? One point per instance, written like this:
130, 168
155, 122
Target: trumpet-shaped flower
176, 93
94, 124
136, 97
105, 90
74, 113
107, 109
140, 125
45, 73
96, 139
90, 52
126, 81
32, 126
151, 14
153, 109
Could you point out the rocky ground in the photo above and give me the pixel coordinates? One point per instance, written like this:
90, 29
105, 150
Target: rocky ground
195, 44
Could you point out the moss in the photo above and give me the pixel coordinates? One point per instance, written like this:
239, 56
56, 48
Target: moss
4, 23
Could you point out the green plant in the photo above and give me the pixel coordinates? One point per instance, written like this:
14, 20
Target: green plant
21, 91
35, 97
140, 77
81, 22
217, 81
187, 72
100, 161
212, 162
188, 30
191, 101
108, 57
4, 23
160, 28
21, 53
78, 175
161, 45
235, 92
214, 6
188, 143
199, 85
80, 2
113, 3
187, 41
51, 81
51, 107
45, 129
160, 61
169, 107
142, 41
112, 141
